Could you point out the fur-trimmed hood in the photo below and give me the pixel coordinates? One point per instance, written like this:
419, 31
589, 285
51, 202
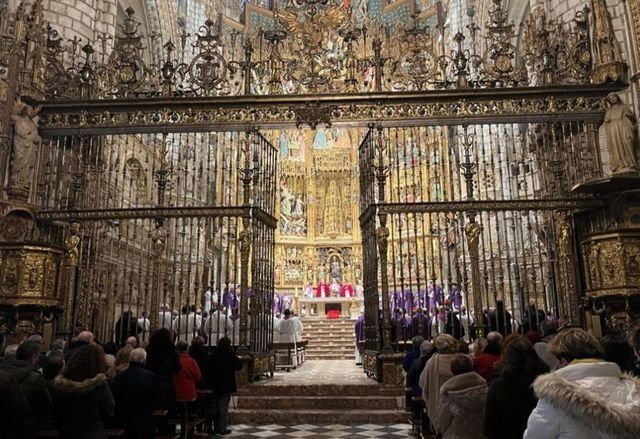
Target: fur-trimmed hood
66, 385
464, 382
596, 395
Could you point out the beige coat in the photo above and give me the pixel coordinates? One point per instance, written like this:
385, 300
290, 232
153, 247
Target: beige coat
436, 372
461, 407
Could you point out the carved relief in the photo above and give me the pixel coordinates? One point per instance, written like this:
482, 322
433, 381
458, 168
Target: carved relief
29, 274
612, 263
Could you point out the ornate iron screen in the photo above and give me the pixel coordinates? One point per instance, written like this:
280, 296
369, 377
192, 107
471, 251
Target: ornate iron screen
166, 222
472, 215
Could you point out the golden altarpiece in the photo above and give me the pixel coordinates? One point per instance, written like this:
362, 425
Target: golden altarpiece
431, 157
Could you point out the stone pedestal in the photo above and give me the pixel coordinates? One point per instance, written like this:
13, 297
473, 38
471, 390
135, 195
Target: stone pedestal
392, 372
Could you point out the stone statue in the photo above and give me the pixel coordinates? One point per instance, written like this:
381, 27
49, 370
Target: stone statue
26, 141
332, 214
620, 132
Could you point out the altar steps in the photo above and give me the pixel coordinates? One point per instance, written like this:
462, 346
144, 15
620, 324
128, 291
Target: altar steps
318, 404
329, 339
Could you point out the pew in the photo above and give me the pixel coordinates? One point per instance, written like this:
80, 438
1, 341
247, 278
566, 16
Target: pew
290, 351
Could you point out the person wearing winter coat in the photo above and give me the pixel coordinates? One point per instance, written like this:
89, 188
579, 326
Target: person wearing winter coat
162, 359
82, 400
462, 400
135, 391
587, 397
413, 376
13, 406
222, 368
436, 372
485, 362
510, 399
31, 384
413, 354
189, 375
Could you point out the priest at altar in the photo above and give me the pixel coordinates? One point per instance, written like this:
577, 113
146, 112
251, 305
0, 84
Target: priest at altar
347, 290
341, 298
322, 290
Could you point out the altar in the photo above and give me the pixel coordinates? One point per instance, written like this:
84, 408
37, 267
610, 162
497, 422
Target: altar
319, 306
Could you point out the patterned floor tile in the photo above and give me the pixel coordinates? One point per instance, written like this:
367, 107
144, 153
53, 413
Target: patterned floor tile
309, 431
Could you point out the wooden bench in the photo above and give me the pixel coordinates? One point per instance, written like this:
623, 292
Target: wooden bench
301, 351
187, 421
205, 396
287, 352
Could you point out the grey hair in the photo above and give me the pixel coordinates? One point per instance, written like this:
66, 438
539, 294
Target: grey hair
35, 337
58, 345
138, 355
11, 351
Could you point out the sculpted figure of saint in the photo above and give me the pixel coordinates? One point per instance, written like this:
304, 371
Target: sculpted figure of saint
620, 132
26, 141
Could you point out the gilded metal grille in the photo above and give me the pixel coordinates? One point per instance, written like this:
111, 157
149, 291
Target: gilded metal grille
168, 221
473, 216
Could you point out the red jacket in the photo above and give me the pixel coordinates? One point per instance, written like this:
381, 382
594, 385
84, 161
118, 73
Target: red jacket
484, 364
187, 378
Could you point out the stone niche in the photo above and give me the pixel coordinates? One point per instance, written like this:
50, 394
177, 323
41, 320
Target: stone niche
29, 275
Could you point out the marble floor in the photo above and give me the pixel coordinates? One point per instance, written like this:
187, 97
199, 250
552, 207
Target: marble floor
311, 431
337, 372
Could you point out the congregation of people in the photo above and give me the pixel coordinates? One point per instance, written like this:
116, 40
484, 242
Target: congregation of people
137, 386
545, 383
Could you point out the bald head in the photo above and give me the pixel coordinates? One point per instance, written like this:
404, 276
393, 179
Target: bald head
85, 336
132, 341
494, 338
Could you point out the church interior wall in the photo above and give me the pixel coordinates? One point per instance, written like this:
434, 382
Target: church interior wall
318, 238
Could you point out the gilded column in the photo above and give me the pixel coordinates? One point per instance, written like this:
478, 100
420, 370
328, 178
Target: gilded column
382, 239
69, 277
473, 232
158, 244
569, 301
244, 242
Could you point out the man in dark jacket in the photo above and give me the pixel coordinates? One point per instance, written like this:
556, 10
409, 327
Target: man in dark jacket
13, 406
414, 353
126, 326
135, 392
223, 364
32, 385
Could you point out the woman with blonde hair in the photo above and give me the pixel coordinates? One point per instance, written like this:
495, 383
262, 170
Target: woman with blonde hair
121, 363
587, 397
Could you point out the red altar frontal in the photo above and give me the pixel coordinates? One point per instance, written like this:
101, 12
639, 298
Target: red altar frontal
323, 306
